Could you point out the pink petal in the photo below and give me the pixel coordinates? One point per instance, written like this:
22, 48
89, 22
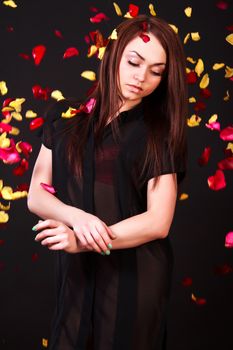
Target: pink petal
227, 134
5, 127
99, 18
70, 52
38, 53
25, 56
222, 5
229, 240
217, 181
213, 126
25, 147
48, 188
90, 105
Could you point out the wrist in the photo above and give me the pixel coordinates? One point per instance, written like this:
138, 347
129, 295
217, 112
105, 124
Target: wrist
72, 215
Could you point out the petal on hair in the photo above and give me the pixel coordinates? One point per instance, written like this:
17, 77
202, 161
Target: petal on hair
218, 66
133, 10
229, 38
183, 196
198, 301
145, 37
227, 96
227, 133
4, 217
3, 88
117, 9
194, 120
88, 74
204, 81
204, 158
226, 164
217, 181
48, 188
99, 18
186, 38
57, 95
58, 34
70, 52
10, 3
188, 11
174, 28
195, 36
70, 113
199, 68
152, 11
229, 72
101, 53
36, 123
38, 53
222, 5
90, 105
229, 240
30, 114
113, 35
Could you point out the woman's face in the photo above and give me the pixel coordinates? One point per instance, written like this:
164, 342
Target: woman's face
140, 70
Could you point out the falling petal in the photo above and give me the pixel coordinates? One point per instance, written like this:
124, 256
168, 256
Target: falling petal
204, 81
8, 194
57, 95
14, 131
4, 217
10, 3
40, 93
228, 72
4, 141
206, 93
10, 29
38, 53
70, 52
25, 56
226, 164
217, 182
101, 52
17, 104
183, 196
224, 269
191, 77
213, 118
186, 38
188, 11
213, 126
195, 36
93, 9
58, 34
87, 39
36, 123
24, 147
152, 11
199, 68
70, 113
5, 207
174, 28
17, 116
191, 60
21, 168
145, 37
44, 343
5, 127
133, 10
194, 120
10, 154
204, 159
198, 301
90, 104
199, 106
229, 38
3, 88
192, 99
187, 282
227, 134
113, 35
99, 18
30, 114
230, 147
88, 74
48, 188
35, 257
117, 9
227, 97
222, 5
92, 50
229, 240
218, 66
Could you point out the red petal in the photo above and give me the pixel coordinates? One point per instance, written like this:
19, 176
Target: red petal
48, 188
87, 39
25, 56
40, 93
70, 52
206, 93
144, 26
191, 77
199, 106
217, 181
7, 102
38, 53
58, 34
222, 5
5, 127
93, 9
22, 168
145, 37
22, 187
226, 164
227, 133
203, 160
2, 242
36, 123
99, 18
187, 281
35, 257
10, 29
25, 147
229, 240
133, 10
223, 269
200, 301
230, 28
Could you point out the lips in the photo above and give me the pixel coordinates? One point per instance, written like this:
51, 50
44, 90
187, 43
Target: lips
135, 88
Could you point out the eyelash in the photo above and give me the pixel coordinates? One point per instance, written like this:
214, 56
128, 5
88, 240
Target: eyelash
137, 65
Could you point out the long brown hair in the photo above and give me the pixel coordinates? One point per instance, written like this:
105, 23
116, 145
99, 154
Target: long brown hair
165, 110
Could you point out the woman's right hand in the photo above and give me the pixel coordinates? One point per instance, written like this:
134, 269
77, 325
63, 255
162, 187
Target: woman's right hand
92, 232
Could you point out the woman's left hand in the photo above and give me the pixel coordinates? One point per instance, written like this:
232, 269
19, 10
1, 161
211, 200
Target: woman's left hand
57, 236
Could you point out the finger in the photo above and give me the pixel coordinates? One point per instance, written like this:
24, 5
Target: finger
104, 234
54, 239
102, 240
46, 233
110, 233
45, 224
80, 237
57, 246
91, 241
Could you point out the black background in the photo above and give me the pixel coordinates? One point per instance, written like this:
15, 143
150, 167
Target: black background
200, 223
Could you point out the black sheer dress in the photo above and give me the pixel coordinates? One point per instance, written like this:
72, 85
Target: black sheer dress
115, 302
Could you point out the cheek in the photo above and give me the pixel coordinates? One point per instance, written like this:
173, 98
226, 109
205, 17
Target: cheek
153, 85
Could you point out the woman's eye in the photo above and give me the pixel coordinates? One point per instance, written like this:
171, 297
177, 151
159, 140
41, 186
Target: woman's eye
157, 74
133, 64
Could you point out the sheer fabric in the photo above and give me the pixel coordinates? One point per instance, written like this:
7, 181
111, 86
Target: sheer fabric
115, 302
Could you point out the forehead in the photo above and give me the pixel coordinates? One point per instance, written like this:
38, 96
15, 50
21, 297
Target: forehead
151, 50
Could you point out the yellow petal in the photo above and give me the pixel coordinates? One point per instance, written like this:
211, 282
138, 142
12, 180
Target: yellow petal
10, 3
17, 116
194, 120
213, 118
7, 192
199, 68
229, 72
30, 114
14, 131
8, 109
188, 70
229, 38
19, 194
17, 104
217, 66
117, 9
4, 217
192, 99
174, 28
227, 97
4, 141
195, 36
69, 113
191, 60
152, 11
5, 207
57, 95
128, 15
188, 11
113, 35
230, 146
92, 51
3, 88
187, 36
101, 53
183, 196
204, 81
1, 184
88, 74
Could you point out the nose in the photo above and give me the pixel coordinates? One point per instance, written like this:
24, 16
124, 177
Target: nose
140, 75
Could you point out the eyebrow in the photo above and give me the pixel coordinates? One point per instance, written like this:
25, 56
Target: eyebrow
155, 64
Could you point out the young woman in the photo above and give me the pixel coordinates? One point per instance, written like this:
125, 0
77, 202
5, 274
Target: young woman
116, 171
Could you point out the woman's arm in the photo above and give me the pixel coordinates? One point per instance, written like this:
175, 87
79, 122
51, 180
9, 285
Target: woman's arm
155, 222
